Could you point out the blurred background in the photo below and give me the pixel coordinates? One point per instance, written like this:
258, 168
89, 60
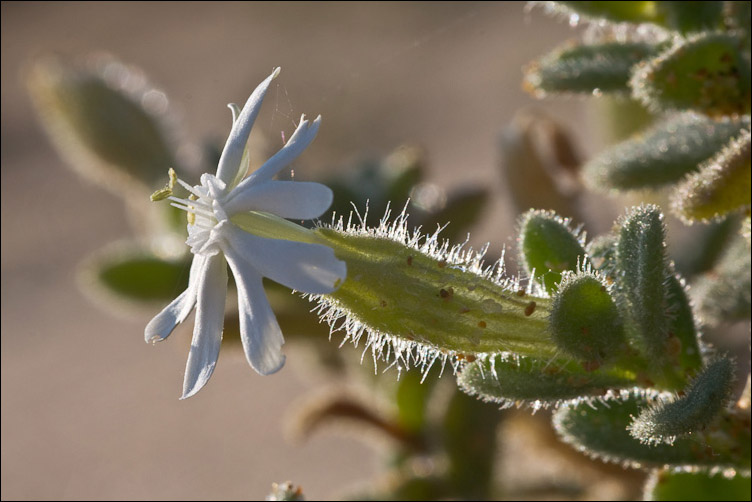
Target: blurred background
89, 411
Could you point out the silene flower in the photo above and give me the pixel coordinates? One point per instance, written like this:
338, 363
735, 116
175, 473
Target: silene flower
240, 222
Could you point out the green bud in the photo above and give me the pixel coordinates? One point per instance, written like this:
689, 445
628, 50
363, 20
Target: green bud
662, 155
548, 247
588, 69
707, 73
705, 397
585, 321
722, 185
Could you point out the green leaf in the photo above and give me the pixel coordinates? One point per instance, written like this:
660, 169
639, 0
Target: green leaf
668, 485
125, 272
600, 431
548, 246
585, 321
662, 155
112, 136
643, 271
702, 401
588, 69
539, 383
707, 73
688, 17
721, 186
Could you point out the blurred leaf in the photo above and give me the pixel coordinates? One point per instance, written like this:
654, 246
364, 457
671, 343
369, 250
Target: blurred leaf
412, 397
619, 117
532, 170
469, 436
668, 485
722, 185
723, 294
107, 123
618, 12
588, 69
126, 272
332, 406
737, 15
688, 17
707, 73
663, 154
462, 210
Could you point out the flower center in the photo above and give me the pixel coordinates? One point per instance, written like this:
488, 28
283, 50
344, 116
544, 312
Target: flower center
205, 213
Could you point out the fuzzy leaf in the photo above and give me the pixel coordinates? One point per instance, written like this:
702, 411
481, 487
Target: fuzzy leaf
706, 73
600, 431
585, 322
548, 247
589, 69
705, 397
643, 271
539, 383
663, 154
668, 485
722, 185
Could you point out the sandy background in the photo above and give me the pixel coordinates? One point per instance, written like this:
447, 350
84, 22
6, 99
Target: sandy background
89, 411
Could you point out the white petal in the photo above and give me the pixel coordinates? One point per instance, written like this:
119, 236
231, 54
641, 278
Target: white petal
207, 331
298, 200
299, 141
229, 162
310, 268
163, 323
259, 330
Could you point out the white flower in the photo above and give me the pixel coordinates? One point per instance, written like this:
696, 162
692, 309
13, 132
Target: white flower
240, 223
